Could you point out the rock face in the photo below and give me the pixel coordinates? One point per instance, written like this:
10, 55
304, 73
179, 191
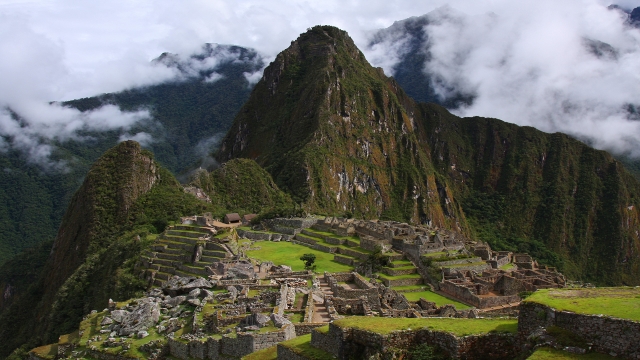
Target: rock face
341, 137
143, 316
344, 133
185, 285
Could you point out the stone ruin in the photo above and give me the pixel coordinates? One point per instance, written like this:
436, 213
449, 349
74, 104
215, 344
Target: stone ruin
494, 288
415, 239
354, 295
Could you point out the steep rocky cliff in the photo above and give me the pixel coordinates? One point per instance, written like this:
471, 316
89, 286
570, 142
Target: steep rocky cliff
341, 137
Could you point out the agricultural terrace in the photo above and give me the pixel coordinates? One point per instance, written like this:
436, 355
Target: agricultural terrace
621, 302
546, 353
458, 327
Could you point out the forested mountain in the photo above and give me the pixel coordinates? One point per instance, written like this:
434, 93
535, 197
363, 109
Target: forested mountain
189, 115
409, 41
342, 138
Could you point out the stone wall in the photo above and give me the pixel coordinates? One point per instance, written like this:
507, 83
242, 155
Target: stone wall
499, 262
466, 295
369, 243
281, 301
457, 261
284, 353
477, 268
253, 235
239, 346
353, 253
607, 334
344, 260
345, 343
366, 289
401, 282
307, 328
309, 308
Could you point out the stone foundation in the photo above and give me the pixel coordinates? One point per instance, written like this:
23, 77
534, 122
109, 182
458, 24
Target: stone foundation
607, 334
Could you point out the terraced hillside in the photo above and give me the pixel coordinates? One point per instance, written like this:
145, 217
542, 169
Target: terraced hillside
184, 250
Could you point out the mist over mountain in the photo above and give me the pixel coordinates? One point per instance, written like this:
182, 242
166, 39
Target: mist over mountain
181, 120
555, 67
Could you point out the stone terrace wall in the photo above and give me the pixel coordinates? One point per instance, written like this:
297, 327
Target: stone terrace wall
466, 295
307, 328
242, 345
346, 343
457, 261
607, 334
284, 353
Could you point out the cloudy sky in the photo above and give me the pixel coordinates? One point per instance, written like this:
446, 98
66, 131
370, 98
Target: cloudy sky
523, 60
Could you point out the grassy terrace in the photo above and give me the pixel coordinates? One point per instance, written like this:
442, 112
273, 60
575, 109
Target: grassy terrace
330, 234
286, 253
465, 265
399, 277
301, 345
622, 302
433, 297
553, 354
458, 327
265, 354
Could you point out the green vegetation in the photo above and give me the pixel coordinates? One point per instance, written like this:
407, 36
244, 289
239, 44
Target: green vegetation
302, 345
458, 327
426, 352
622, 302
265, 354
308, 260
244, 187
106, 229
286, 253
433, 297
546, 353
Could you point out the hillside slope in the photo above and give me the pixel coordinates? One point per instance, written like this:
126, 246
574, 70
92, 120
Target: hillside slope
189, 116
340, 136
123, 198
343, 138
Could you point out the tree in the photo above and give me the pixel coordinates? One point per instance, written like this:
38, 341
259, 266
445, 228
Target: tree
309, 259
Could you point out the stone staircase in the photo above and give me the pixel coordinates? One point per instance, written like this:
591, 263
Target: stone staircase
174, 251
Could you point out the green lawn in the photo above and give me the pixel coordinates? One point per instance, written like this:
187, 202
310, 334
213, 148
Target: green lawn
286, 253
302, 345
553, 354
458, 327
409, 288
399, 277
620, 302
508, 266
436, 298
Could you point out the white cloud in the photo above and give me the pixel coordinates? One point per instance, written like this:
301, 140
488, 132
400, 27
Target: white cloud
531, 65
142, 137
525, 62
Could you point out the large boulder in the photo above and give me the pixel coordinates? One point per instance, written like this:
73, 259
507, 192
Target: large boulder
279, 321
143, 316
241, 270
174, 301
183, 285
119, 315
256, 319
